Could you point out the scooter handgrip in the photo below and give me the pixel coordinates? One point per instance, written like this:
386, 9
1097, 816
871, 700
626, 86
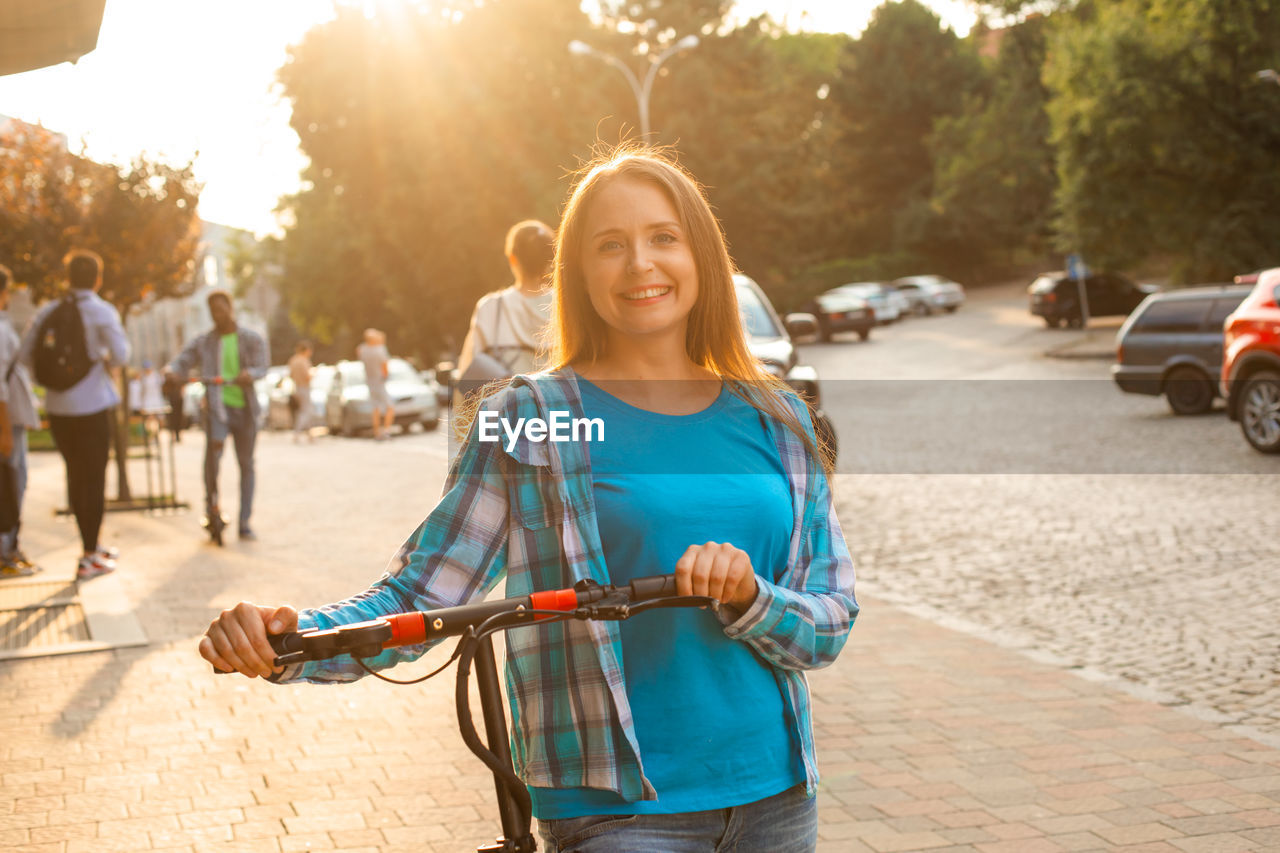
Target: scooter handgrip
290, 641
658, 586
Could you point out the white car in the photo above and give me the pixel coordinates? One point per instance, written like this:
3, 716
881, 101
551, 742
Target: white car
884, 300
347, 410
930, 293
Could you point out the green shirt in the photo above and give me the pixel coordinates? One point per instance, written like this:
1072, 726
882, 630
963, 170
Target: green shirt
232, 394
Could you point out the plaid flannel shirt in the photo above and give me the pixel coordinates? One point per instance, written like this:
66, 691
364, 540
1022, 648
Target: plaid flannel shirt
530, 514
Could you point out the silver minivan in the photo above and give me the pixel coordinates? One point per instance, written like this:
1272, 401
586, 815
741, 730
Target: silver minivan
1172, 345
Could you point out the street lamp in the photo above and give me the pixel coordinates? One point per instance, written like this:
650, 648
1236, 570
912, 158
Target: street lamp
641, 90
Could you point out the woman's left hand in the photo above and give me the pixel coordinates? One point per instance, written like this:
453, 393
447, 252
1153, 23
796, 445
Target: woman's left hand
719, 571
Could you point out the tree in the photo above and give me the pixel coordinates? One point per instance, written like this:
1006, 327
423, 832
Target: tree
897, 81
422, 156
993, 164
1166, 143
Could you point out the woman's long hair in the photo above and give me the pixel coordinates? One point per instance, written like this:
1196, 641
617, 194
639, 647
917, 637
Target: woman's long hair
714, 338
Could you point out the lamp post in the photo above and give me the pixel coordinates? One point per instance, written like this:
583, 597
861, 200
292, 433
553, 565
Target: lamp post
641, 90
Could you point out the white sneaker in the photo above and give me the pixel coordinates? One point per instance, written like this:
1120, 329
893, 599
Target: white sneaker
92, 566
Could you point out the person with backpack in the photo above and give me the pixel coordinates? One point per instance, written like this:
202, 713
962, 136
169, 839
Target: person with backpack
229, 357
504, 337
71, 344
18, 413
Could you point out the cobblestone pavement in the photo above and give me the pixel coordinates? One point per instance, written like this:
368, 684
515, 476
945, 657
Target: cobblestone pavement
928, 738
1170, 584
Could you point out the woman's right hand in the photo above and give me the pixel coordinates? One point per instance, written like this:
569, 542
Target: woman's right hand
237, 640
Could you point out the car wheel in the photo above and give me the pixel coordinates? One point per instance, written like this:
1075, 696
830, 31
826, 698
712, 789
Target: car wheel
429, 424
1075, 322
1260, 411
1052, 322
863, 334
951, 309
824, 330
1188, 391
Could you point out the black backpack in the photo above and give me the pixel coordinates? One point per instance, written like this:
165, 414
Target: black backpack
61, 357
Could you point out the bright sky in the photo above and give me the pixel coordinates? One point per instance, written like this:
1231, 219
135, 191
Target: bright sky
175, 78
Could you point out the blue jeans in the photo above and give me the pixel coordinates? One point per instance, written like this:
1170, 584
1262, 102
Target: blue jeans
244, 433
18, 462
783, 823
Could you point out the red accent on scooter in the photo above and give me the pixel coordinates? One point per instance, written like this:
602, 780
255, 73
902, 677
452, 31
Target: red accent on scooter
407, 629
554, 599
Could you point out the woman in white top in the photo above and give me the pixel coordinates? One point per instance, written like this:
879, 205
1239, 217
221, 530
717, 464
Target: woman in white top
508, 324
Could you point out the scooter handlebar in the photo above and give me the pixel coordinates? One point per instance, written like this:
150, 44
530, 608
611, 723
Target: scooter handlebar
367, 639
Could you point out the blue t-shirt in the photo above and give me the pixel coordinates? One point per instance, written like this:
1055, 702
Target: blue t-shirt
709, 713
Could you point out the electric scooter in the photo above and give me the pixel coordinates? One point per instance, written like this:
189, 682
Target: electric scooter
476, 624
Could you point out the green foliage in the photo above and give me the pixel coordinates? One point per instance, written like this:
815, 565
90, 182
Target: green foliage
898, 80
993, 166
1166, 142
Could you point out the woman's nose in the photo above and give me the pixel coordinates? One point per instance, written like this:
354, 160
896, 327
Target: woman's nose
638, 261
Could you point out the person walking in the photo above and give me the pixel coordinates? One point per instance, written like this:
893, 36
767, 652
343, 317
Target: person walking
373, 354
18, 413
80, 415
229, 357
507, 327
687, 729
300, 370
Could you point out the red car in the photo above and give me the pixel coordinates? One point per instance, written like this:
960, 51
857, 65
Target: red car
1251, 364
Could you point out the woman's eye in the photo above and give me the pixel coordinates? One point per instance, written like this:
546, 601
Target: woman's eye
664, 237
610, 245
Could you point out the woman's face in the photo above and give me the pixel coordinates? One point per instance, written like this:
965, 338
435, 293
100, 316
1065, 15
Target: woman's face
636, 260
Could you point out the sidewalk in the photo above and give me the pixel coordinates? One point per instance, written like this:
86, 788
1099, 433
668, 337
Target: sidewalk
928, 739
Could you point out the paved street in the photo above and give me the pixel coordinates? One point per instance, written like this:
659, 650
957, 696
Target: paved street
1033, 643
1145, 548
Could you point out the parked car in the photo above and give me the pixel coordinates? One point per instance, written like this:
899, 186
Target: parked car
770, 341
1251, 366
839, 310
884, 300
1055, 297
929, 293
347, 410
1172, 345
280, 411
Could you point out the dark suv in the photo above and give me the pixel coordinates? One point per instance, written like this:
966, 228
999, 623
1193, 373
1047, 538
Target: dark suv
1172, 345
1251, 367
1056, 297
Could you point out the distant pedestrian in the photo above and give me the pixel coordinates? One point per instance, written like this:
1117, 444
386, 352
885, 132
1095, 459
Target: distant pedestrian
146, 391
507, 326
229, 357
373, 354
300, 370
18, 413
80, 413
